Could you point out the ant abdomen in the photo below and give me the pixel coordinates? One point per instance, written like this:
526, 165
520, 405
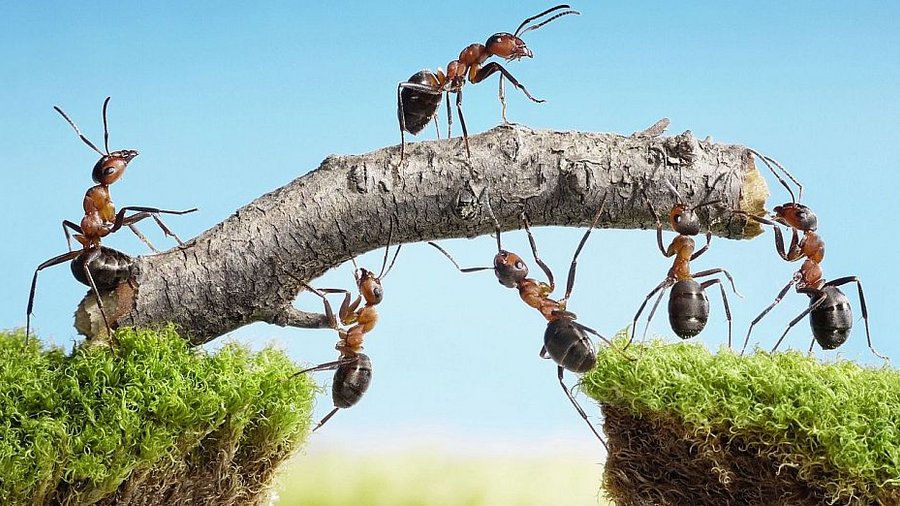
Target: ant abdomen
109, 268
418, 107
568, 345
832, 320
688, 308
351, 380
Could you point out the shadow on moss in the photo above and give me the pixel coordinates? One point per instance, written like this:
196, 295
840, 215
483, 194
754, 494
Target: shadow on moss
689, 427
152, 422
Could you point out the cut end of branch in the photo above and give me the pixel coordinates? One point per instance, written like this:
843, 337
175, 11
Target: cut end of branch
116, 304
754, 194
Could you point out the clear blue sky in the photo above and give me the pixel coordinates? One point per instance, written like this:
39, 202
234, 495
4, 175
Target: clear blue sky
226, 104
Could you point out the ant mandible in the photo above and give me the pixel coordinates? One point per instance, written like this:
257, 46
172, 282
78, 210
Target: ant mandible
99, 210
565, 340
830, 314
688, 304
418, 97
353, 369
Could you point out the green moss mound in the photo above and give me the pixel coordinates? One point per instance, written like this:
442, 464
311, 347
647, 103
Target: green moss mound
150, 422
689, 427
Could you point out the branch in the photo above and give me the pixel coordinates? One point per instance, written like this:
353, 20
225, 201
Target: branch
246, 268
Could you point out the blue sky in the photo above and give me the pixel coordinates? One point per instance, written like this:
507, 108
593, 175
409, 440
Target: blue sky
227, 103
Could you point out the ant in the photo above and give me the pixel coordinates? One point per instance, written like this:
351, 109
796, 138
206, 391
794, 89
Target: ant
96, 266
565, 340
99, 210
353, 369
830, 315
688, 304
418, 97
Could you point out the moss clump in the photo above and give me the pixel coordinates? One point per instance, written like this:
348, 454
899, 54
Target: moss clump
689, 427
150, 422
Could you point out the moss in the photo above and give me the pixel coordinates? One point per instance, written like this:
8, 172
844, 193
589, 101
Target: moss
149, 422
759, 429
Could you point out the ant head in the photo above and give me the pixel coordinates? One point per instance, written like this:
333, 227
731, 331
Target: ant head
684, 220
370, 287
509, 268
456, 74
796, 216
111, 167
507, 46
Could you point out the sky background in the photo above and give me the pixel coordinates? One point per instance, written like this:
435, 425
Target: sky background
228, 103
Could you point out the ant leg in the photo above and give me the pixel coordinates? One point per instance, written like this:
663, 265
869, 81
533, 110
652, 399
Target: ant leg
492, 67
401, 116
332, 321
717, 281
142, 237
65, 257
143, 212
650, 317
578, 406
91, 256
534, 252
502, 94
347, 312
779, 238
756, 320
67, 225
571, 279
818, 302
325, 419
704, 248
665, 284
605, 340
460, 269
710, 272
862, 305
462, 121
449, 116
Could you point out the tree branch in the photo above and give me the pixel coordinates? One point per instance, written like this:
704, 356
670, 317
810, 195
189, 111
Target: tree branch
243, 270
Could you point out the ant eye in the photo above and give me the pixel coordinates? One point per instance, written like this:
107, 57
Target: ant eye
520, 264
677, 218
109, 171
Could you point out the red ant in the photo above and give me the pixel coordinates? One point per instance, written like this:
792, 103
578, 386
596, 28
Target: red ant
565, 340
688, 304
353, 370
418, 98
830, 315
94, 265
99, 210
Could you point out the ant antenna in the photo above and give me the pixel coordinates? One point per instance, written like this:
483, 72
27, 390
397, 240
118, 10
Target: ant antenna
519, 30
387, 248
77, 131
769, 161
674, 191
105, 127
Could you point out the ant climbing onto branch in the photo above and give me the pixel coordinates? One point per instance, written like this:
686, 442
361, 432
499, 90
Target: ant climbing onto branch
99, 210
353, 369
96, 266
565, 340
830, 314
418, 97
688, 304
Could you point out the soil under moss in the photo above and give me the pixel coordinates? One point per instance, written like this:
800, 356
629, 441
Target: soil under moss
151, 422
689, 427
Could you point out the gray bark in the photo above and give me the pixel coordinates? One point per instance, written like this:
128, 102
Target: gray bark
243, 270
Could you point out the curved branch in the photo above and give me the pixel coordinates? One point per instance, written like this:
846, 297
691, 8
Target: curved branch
246, 268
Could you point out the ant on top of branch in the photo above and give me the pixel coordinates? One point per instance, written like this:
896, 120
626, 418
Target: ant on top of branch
830, 314
353, 369
565, 340
418, 97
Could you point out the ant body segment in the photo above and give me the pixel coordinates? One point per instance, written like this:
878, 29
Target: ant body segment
830, 314
353, 369
418, 97
99, 210
688, 304
565, 340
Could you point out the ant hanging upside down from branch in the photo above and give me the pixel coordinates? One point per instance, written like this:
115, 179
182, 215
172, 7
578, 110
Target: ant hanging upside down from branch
565, 340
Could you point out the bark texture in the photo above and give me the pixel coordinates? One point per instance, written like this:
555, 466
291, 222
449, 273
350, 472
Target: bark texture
243, 270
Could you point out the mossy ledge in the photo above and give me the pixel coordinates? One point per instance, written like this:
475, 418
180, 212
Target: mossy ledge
150, 422
689, 427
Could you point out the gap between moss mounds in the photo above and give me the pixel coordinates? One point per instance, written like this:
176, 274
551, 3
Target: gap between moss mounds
689, 427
